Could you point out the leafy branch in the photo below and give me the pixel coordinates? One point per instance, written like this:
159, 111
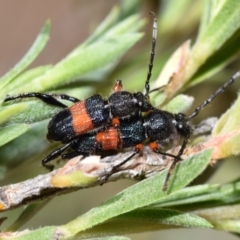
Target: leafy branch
143, 205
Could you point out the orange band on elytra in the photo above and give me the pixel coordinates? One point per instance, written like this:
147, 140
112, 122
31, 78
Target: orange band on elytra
109, 139
81, 121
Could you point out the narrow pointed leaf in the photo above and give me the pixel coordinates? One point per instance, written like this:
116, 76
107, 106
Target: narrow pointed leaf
92, 57
141, 194
33, 52
147, 219
10, 132
8, 112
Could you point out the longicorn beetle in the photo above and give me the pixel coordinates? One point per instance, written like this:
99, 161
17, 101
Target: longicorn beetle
96, 125
129, 133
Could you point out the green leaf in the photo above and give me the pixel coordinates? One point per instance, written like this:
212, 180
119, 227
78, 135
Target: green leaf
212, 195
226, 133
39, 234
172, 13
23, 113
27, 76
35, 111
107, 23
210, 10
216, 45
10, 132
106, 238
230, 225
113, 25
229, 121
141, 194
208, 28
147, 219
205, 16
129, 7
111, 238
23, 147
165, 216
223, 218
33, 52
92, 57
8, 112
127, 26
221, 26
189, 195
218, 60
214, 36
181, 103
116, 23
87, 58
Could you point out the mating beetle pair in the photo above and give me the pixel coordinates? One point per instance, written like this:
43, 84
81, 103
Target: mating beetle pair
96, 125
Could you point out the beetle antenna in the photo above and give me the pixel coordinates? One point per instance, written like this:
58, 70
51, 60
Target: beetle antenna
152, 54
195, 113
214, 95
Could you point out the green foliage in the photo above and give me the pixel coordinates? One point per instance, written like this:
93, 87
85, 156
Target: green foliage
31, 55
144, 206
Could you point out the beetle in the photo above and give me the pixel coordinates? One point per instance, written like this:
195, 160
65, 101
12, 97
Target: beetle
129, 133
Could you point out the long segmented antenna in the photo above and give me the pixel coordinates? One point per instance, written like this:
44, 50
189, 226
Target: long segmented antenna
152, 54
195, 113
214, 95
